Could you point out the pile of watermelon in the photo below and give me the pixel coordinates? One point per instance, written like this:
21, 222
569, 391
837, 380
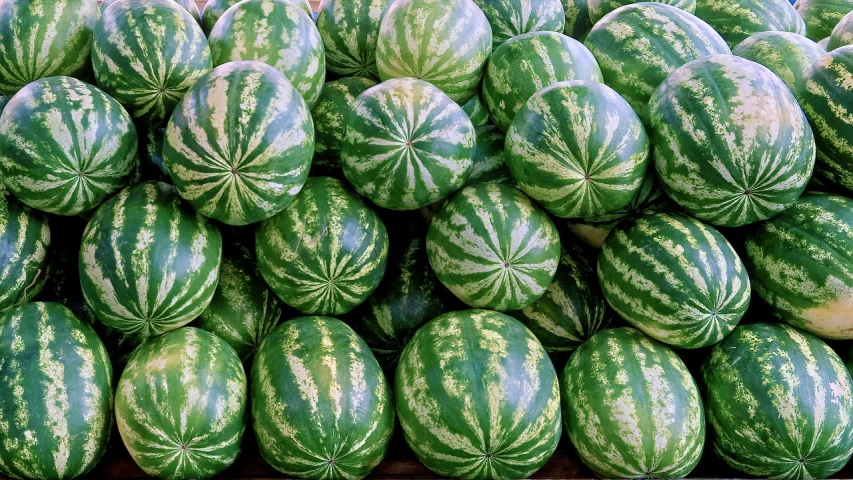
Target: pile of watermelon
489, 222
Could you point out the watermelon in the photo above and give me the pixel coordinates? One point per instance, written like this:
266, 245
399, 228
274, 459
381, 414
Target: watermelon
732, 146
578, 149
824, 43
444, 42
825, 95
326, 252
321, 406
842, 34
736, 21
214, 9
788, 55
188, 5
239, 145
181, 405
329, 115
778, 403
151, 164
598, 9
3, 101
474, 108
572, 309
493, 247
66, 146
801, 263
528, 63
56, 391
24, 243
350, 31
275, 32
674, 278
407, 145
477, 397
489, 157
509, 18
639, 45
578, 22
821, 16
631, 407
148, 263
44, 38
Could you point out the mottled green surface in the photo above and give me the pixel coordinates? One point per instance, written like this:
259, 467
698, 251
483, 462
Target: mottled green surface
737, 20
822, 16
599, 8
350, 29
25, 238
214, 9
510, 18
786, 54
329, 116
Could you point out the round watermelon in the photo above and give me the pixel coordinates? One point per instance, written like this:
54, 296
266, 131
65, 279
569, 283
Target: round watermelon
148, 263
821, 16
631, 407
578, 149
800, 264
788, 55
275, 32
493, 247
842, 34
407, 145
44, 38
321, 406
778, 403
181, 405
510, 18
239, 145
598, 9
56, 394
188, 5
732, 146
24, 243
350, 31
147, 54
528, 63
578, 22
65, 146
474, 108
489, 157
478, 397
639, 45
444, 42
674, 278
214, 9
736, 21
326, 252
329, 115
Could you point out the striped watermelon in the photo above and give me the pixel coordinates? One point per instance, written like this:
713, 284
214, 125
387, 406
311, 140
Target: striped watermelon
578, 22
493, 248
674, 278
181, 405
445, 42
779, 403
321, 406
826, 95
509, 18
598, 9
821, 16
151, 165
638, 46
56, 391
407, 145
148, 263
631, 408
44, 38
214, 9
573, 308
188, 5
24, 243
578, 149
66, 146
474, 108
329, 115
326, 252
277, 33
736, 21
732, 145
489, 158
788, 55
528, 63
842, 34
800, 263
239, 145
350, 30
477, 397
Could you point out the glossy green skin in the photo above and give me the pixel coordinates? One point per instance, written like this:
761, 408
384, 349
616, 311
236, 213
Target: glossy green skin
66, 146
275, 32
786, 54
407, 145
802, 426
350, 29
181, 405
510, 18
326, 252
489, 158
821, 16
24, 243
631, 407
56, 394
188, 5
148, 262
731, 144
44, 38
641, 44
149, 86
477, 397
578, 23
214, 9
321, 406
476, 110
527, 63
329, 115
598, 9
736, 21
842, 34
578, 149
